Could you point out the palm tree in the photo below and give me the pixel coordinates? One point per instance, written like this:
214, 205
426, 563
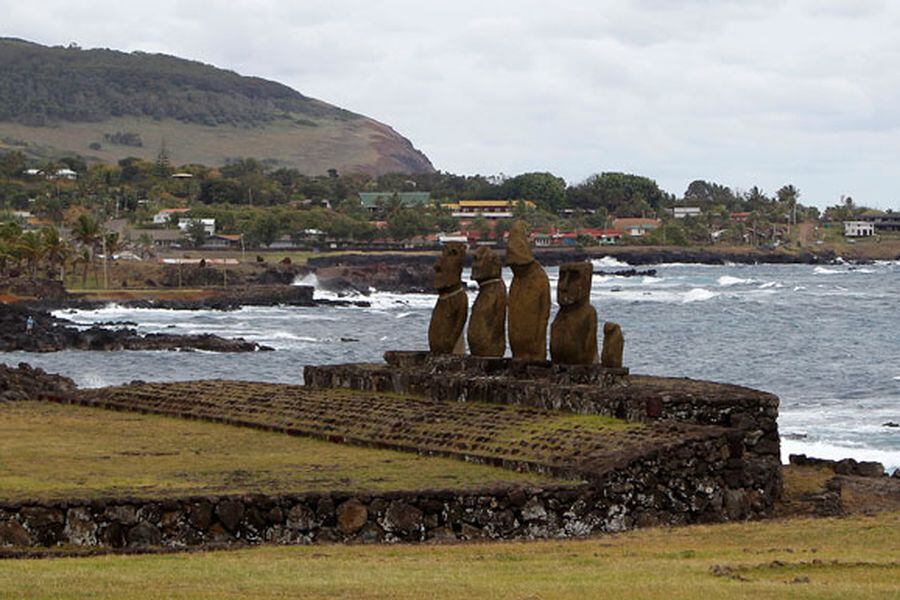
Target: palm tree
57, 250
31, 246
87, 233
7, 254
145, 245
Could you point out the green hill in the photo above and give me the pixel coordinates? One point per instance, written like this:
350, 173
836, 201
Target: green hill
106, 105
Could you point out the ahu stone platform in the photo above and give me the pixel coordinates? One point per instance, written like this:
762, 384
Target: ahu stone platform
627, 451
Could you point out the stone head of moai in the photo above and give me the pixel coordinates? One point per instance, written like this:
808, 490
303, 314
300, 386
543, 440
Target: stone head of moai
486, 265
574, 285
518, 250
448, 268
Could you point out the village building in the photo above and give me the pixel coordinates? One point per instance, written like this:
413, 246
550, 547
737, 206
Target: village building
161, 238
680, 212
222, 240
636, 227
489, 209
164, 216
883, 222
855, 229
209, 225
68, 174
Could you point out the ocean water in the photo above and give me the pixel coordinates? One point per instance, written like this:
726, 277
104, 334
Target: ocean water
826, 339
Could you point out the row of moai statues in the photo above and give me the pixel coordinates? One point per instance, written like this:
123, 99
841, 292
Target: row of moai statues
573, 335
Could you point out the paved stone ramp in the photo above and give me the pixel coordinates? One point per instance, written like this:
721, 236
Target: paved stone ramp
518, 437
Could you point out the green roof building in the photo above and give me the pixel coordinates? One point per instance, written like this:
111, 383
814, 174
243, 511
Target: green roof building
375, 200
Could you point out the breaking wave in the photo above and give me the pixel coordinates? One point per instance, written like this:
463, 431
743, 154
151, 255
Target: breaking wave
608, 262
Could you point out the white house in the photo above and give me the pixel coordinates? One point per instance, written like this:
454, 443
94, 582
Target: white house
66, 174
858, 229
209, 225
680, 212
163, 216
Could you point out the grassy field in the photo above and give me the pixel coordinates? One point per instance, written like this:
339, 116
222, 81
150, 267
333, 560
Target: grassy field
830, 558
54, 451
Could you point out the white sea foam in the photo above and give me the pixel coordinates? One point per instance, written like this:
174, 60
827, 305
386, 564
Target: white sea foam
308, 279
770, 284
608, 262
727, 280
827, 271
890, 459
698, 295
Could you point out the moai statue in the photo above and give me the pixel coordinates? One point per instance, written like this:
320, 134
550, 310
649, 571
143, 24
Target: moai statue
573, 336
448, 319
529, 298
613, 346
487, 325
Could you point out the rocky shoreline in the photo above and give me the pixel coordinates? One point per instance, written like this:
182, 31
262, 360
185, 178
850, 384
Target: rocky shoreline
633, 255
51, 334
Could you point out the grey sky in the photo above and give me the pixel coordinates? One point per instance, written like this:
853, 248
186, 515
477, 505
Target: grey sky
752, 92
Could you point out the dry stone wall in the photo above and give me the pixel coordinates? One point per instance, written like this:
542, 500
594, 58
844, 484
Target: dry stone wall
666, 488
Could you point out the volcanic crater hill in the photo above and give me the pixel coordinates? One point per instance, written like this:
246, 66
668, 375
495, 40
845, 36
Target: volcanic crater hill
107, 105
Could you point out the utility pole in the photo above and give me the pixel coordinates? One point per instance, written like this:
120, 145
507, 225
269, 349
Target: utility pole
105, 265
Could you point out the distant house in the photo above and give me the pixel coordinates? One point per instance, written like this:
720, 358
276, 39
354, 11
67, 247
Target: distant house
559, 237
161, 238
883, 222
489, 209
209, 225
446, 238
222, 240
680, 212
604, 236
182, 176
163, 216
636, 227
855, 229
740, 217
65, 174
375, 201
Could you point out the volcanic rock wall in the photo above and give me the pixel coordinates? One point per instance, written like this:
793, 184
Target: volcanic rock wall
681, 487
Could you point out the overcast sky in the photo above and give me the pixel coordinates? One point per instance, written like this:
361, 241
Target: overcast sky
742, 92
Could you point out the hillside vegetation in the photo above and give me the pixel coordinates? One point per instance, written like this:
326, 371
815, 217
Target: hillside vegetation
105, 104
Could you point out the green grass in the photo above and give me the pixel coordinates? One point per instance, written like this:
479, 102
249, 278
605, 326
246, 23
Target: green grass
51, 451
829, 558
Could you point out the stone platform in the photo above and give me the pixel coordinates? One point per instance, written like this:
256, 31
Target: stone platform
628, 450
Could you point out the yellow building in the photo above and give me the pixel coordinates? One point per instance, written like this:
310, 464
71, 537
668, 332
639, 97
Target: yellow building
489, 209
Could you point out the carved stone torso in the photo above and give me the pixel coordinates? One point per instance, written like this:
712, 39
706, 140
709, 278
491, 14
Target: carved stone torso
448, 319
613, 346
573, 336
529, 311
487, 325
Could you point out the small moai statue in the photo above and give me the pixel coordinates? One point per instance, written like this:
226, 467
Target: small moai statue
613, 346
573, 336
529, 298
448, 319
487, 325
